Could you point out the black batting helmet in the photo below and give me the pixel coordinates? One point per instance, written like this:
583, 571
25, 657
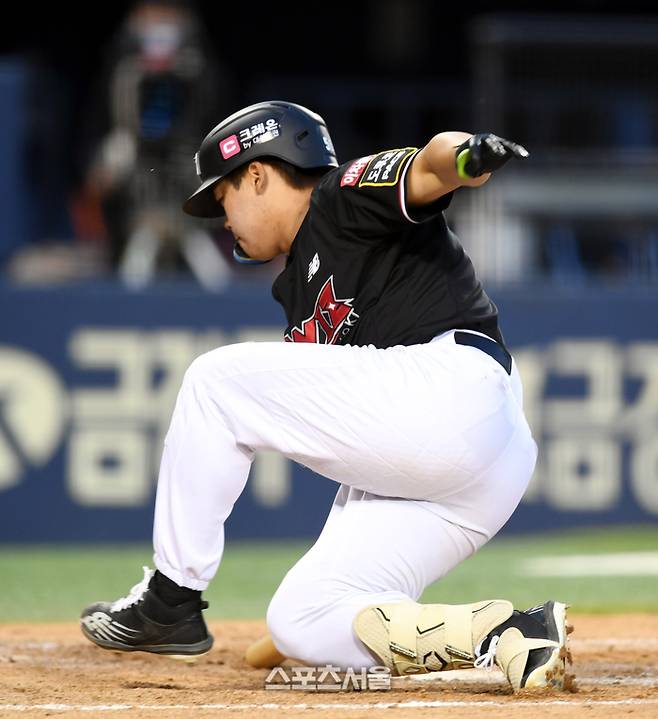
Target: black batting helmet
276, 129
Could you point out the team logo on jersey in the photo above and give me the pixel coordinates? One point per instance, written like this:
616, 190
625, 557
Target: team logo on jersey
384, 169
313, 266
354, 171
331, 318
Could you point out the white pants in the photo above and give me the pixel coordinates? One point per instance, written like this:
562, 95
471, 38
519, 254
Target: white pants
429, 444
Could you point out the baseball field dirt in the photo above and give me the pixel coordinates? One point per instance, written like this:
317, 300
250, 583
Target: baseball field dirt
51, 670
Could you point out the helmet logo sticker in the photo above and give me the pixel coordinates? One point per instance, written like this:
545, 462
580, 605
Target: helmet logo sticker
327, 143
229, 146
260, 132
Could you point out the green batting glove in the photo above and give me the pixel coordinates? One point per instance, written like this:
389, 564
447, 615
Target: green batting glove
485, 152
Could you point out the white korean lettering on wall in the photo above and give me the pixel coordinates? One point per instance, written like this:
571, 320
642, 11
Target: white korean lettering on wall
33, 411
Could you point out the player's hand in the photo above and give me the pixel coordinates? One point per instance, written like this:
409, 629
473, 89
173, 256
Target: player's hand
484, 153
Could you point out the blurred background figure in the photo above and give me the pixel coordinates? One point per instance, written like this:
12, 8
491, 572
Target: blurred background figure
161, 91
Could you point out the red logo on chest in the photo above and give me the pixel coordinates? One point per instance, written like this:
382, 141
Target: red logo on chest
330, 317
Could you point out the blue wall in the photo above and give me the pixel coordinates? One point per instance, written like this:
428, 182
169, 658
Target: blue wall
88, 377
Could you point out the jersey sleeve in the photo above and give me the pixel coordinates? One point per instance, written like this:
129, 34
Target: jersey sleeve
368, 195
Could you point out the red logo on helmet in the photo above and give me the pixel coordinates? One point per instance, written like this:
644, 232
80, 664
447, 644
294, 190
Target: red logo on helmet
354, 171
229, 146
331, 318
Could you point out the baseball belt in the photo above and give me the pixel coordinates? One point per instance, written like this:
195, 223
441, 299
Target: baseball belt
488, 346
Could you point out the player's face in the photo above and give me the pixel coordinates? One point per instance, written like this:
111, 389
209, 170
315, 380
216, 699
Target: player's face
251, 215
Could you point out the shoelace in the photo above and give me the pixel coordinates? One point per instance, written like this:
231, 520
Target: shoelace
136, 592
486, 660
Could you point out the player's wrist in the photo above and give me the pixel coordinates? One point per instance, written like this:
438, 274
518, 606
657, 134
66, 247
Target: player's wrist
484, 153
462, 158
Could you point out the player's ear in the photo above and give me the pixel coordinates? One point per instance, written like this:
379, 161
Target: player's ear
257, 175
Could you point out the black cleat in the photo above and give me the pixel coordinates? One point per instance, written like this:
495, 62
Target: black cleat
128, 624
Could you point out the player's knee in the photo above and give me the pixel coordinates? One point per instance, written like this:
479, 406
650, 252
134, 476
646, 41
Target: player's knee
282, 624
288, 617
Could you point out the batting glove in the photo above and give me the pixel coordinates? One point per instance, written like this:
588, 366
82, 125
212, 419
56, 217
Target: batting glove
485, 152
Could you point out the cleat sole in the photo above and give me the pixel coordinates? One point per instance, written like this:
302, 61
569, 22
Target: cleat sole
185, 652
186, 658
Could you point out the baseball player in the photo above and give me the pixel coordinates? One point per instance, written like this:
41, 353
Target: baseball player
394, 381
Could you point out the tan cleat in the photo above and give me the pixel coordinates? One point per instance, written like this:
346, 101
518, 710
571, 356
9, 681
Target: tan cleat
412, 638
530, 647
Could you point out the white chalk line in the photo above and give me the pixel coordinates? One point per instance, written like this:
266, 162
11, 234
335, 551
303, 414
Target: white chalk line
482, 676
328, 707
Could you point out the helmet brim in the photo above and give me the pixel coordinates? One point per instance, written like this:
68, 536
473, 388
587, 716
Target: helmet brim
202, 203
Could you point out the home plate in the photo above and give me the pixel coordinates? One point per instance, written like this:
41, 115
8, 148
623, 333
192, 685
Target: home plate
463, 676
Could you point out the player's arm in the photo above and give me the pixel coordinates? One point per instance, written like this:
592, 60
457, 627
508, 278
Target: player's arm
456, 159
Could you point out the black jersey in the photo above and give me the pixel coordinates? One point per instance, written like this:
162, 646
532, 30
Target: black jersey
366, 269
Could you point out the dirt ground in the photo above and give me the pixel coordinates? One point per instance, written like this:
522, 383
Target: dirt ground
52, 670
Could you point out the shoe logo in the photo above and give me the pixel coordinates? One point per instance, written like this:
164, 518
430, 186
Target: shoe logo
313, 267
102, 625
